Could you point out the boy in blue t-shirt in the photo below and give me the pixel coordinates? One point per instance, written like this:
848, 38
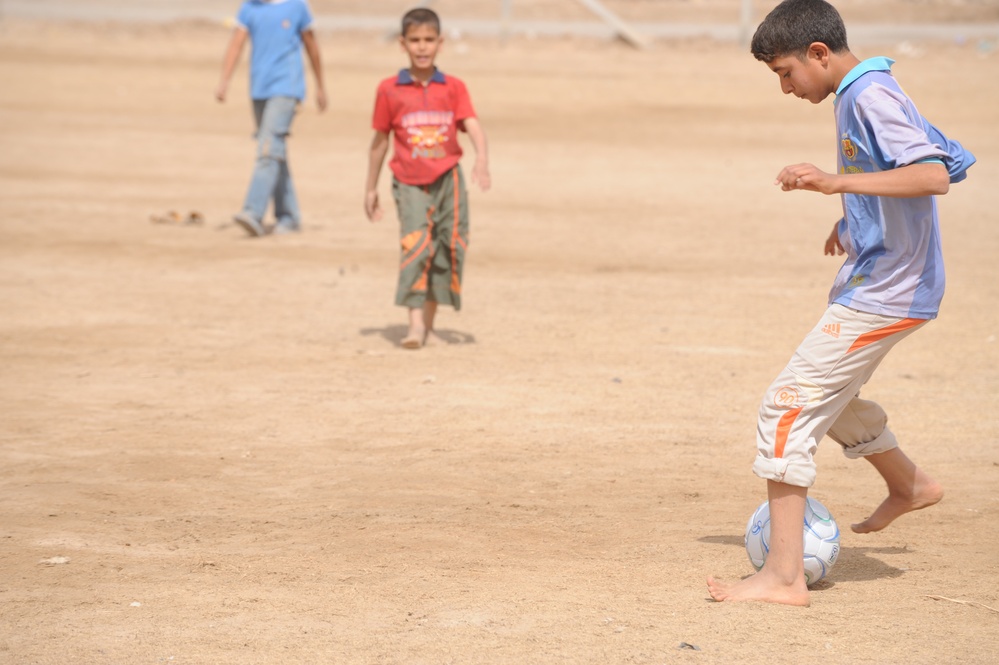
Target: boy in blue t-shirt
891, 164
277, 30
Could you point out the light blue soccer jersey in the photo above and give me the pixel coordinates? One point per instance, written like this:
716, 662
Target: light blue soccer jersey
275, 28
894, 264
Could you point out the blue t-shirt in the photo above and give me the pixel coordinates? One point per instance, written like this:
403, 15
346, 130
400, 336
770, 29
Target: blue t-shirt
894, 264
275, 28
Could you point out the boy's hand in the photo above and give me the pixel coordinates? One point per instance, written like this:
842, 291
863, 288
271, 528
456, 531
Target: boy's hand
220, 91
321, 100
833, 245
807, 177
480, 176
371, 206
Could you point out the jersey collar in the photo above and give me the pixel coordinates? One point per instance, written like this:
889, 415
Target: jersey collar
878, 64
405, 78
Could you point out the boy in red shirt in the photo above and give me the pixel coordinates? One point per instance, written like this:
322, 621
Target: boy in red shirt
424, 110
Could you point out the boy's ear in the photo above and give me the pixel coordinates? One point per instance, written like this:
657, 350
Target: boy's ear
820, 52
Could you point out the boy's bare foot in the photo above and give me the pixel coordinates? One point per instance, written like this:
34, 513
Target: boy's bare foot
413, 339
760, 587
909, 488
433, 339
782, 578
924, 494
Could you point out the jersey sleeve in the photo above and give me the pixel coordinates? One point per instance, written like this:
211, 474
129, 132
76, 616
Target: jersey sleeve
900, 137
381, 120
243, 17
305, 17
904, 137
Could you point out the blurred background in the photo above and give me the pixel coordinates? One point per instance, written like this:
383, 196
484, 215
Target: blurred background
637, 21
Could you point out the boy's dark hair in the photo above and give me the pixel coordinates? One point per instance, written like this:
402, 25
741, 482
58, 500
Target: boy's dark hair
795, 24
421, 16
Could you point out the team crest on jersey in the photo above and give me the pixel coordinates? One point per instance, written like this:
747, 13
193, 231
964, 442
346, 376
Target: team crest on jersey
849, 149
286, 24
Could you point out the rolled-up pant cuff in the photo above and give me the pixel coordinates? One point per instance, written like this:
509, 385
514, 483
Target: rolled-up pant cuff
885, 442
784, 471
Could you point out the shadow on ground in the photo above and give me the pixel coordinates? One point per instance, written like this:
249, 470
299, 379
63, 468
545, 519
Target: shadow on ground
854, 564
394, 334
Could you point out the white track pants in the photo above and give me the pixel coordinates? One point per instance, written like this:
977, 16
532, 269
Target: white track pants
817, 394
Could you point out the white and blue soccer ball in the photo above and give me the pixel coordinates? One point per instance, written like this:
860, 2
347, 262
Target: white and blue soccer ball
820, 534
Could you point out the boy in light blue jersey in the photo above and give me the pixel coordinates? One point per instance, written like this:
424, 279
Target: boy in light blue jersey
278, 29
892, 268
891, 164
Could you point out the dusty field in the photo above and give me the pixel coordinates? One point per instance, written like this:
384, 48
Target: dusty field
224, 440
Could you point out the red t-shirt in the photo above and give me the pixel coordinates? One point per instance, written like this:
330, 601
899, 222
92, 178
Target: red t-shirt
425, 121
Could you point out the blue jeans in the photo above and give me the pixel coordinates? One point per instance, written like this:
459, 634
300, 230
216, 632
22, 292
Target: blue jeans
271, 177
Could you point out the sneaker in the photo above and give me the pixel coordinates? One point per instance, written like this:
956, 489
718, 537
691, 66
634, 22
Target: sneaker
282, 228
250, 225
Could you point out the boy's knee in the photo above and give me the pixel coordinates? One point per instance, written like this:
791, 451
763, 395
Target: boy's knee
880, 444
785, 446
862, 429
273, 148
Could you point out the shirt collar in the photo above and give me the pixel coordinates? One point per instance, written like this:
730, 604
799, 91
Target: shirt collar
877, 64
405, 78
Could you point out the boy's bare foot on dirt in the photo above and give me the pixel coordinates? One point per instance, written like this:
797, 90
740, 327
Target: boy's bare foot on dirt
413, 339
433, 339
908, 489
760, 587
924, 494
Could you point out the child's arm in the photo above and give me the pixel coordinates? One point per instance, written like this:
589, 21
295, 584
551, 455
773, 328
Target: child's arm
312, 48
232, 53
920, 179
376, 157
480, 171
833, 245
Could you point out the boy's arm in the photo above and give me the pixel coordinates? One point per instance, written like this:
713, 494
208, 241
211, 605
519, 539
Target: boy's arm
312, 48
833, 245
480, 171
919, 179
376, 157
232, 53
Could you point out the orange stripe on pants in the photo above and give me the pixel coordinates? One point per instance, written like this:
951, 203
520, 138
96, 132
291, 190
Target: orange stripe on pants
783, 428
455, 280
888, 331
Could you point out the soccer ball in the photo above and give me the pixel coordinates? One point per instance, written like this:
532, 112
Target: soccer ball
820, 533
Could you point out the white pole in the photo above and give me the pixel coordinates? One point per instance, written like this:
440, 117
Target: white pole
624, 30
506, 12
745, 21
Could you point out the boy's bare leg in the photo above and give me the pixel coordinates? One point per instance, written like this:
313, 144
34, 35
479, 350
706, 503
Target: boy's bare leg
908, 489
417, 328
782, 578
429, 312
431, 338
421, 326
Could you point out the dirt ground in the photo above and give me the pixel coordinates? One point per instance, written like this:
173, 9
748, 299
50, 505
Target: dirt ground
213, 450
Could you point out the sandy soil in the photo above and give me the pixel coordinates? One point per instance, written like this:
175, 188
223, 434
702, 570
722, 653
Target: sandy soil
212, 449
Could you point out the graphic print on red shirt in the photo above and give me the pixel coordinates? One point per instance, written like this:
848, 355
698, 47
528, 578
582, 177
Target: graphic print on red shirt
424, 120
